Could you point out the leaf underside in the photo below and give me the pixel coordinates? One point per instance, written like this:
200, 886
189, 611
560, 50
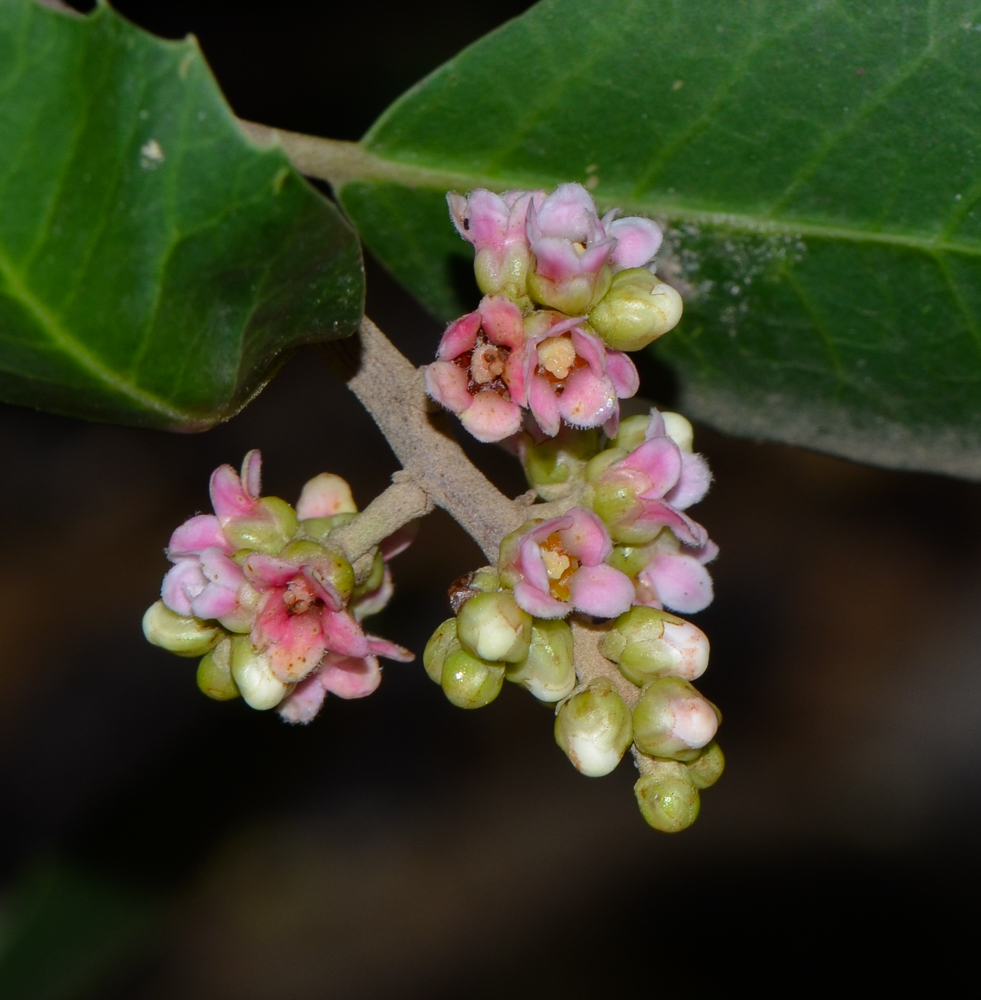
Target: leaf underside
816, 166
154, 262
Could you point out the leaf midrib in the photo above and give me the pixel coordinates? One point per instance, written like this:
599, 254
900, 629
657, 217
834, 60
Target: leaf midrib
341, 163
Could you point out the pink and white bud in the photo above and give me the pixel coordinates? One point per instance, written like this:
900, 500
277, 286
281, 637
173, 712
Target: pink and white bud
673, 720
495, 225
646, 643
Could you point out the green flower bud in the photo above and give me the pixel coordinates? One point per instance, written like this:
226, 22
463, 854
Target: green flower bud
254, 677
632, 432
318, 528
493, 627
215, 673
470, 682
673, 720
593, 728
601, 462
637, 309
554, 466
268, 532
323, 565
374, 578
630, 559
441, 643
706, 769
667, 797
548, 671
180, 634
574, 295
647, 643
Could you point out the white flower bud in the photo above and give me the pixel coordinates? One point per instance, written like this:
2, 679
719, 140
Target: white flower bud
253, 676
180, 634
494, 628
679, 429
593, 728
673, 720
548, 671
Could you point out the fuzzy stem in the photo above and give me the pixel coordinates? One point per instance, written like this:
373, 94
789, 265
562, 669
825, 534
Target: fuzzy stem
394, 393
591, 663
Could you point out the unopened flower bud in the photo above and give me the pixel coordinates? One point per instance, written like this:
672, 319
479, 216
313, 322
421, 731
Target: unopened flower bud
252, 673
706, 769
680, 430
667, 797
180, 634
318, 528
638, 308
215, 673
554, 466
470, 682
493, 627
632, 432
598, 464
548, 671
374, 578
593, 728
647, 643
441, 643
268, 532
673, 720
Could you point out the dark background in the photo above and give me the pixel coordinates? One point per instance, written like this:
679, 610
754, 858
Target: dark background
156, 845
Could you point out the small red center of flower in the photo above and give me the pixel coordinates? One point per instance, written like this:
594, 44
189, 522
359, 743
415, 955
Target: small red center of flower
559, 566
299, 596
485, 365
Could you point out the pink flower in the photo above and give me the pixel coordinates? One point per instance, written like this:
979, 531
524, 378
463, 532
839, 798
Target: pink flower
571, 376
495, 225
345, 676
557, 566
675, 576
479, 372
647, 490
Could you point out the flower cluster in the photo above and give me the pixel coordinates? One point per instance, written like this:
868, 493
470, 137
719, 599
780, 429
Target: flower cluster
274, 612
565, 294
624, 552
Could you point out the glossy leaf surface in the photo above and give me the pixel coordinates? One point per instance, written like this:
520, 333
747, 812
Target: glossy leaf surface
817, 166
154, 262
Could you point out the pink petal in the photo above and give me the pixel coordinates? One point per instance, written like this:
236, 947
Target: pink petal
252, 473
660, 461
215, 601
623, 373
544, 405
391, 651
601, 590
530, 563
265, 571
460, 336
229, 497
399, 541
514, 376
591, 349
447, 384
555, 258
181, 585
589, 399
218, 568
305, 701
324, 496
343, 634
586, 537
658, 513
351, 677
637, 241
568, 212
195, 534
680, 581
538, 602
655, 427
693, 482
491, 417
502, 322
480, 218
294, 643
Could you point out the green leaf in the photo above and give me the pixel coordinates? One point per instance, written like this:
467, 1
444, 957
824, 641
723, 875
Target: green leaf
817, 167
155, 263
